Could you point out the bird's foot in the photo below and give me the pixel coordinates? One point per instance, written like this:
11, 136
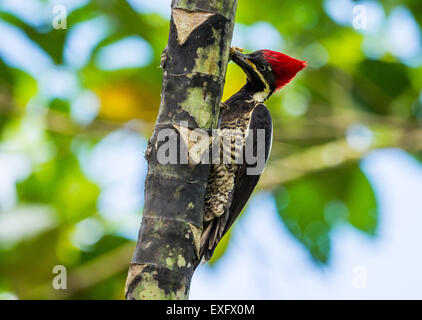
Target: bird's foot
234, 49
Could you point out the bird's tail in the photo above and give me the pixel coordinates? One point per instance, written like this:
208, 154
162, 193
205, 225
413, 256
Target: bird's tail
213, 232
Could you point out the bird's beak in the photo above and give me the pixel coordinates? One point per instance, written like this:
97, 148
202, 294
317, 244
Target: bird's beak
243, 61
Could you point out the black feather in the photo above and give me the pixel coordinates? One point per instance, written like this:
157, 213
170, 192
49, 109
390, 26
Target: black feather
244, 183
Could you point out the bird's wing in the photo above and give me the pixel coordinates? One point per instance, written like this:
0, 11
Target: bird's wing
244, 183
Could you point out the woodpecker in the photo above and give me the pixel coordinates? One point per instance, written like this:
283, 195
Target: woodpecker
229, 184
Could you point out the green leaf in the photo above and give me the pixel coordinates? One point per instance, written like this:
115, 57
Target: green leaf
6, 76
221, 248
62, 184
313, 205
51, 41
59, 105
378, 83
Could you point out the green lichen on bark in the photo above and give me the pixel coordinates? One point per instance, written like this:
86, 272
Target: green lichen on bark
208, 57
199, 107
207, 62
149, 287
194, 65
181, 262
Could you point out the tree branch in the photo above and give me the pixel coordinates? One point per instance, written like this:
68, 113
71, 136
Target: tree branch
335, 154
194, 64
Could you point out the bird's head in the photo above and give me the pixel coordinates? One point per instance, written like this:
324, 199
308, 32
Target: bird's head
267, 71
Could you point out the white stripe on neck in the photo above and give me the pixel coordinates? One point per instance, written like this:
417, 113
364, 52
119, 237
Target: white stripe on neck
261, 96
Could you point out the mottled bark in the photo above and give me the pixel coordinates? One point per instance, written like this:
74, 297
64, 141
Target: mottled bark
194, 66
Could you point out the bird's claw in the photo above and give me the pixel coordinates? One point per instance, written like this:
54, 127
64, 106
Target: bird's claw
235, 49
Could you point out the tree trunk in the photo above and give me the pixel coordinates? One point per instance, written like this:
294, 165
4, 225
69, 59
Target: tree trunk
194, 66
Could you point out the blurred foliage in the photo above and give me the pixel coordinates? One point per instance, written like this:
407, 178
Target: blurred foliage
343, 88
310, 207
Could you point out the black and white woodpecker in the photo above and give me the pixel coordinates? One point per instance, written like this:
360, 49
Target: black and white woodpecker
229, 184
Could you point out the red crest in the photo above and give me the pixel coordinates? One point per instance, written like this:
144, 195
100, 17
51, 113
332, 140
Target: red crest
284, 67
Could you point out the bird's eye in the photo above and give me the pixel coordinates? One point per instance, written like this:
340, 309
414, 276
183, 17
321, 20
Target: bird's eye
262, 67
